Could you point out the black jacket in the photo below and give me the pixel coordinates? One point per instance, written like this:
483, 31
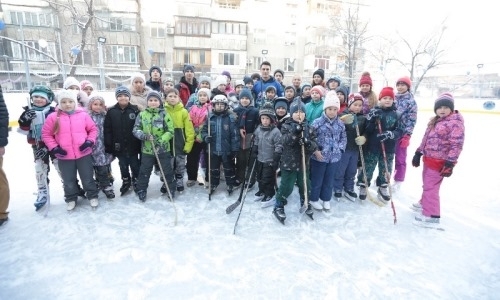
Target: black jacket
4, 121
155, 85
291, 158
389, 120
118, 125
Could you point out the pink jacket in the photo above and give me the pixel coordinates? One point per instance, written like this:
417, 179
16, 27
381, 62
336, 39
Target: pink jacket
74, 130
198, 114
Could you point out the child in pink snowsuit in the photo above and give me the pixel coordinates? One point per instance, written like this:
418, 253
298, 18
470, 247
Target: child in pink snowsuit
441, 146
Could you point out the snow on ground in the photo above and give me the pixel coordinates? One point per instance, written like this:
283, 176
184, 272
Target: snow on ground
131, 250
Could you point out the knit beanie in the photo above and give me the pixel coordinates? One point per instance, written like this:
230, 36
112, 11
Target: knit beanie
406, 80
319, 89
353, 98
386, 91
67, 94
221, 79
296, 106
343, 90
279, 71
445, 99
247, 79
331, 100
269, 88
228, 75
85, 83
365, 79
154, 94
206, 91
304, 85
70, 81
267, 110
95, 97
137, 76
122, 90
280, 102
168, 79
155, 68
238, 83
188, 67
320, 72
246, 93
205, 79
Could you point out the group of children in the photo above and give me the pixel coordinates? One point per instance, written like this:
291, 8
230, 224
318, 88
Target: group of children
321, 141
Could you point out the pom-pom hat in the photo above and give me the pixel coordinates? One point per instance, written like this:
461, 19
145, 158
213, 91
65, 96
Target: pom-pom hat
445, 99
386, 92
331, 100
353, 98
365, 79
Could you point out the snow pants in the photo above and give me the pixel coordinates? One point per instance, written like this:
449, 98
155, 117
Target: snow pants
322, 180
345, 171
400, 163
85, 169
372, 159
432, 180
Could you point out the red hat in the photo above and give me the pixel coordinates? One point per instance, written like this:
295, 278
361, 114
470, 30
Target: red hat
353, 98
319, 89
386, 91
406, 80
365, 79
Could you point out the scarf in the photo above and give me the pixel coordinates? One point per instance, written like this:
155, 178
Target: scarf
37, 122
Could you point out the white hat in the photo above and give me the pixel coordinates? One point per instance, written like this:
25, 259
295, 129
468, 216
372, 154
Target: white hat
221, 79
67, 94
70, 81
331, 100
137, 75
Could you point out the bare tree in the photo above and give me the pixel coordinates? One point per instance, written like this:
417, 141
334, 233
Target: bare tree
138, 27
425, 55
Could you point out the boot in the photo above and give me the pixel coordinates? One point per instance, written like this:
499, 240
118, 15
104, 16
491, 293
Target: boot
142, 195
163, 189
125, 185
383, 192
179, 183
362, 191
279, 213
41, 198
109, 192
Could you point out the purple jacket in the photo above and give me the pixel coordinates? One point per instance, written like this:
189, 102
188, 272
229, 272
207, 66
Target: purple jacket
330, 137
445, 139
74, 130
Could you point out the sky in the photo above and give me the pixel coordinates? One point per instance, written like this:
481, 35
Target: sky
130, 250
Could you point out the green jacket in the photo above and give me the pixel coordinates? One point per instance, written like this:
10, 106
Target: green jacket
157, 122
183, 128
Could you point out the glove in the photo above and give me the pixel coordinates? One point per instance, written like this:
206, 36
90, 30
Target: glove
385, 136
416, 159
40, 153
374, 113
360, 140
28, 115
276, 161
255, 150
208, 139
59, 150
404, 142
305, 141
86, 144
297, 130
149, 137
447, 169
347, 119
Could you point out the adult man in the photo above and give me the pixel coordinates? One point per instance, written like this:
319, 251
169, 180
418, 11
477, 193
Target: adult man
264, 82
188, 84
4, 183
297, 84
279, 75
154, 81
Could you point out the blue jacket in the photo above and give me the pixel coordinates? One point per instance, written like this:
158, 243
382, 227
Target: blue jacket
330, 137
407, 108
224, 132
260, 88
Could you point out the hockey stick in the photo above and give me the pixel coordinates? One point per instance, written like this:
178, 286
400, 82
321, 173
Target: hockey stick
303, 208
209, 169
165, 181
242, 201
387, 174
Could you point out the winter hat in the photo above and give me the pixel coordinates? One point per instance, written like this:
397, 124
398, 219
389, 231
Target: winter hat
228, 75
365, 79
247, 79
154, 94
221, 79
246, 93
406, 80
343, 90
206, 91
331, 100
67, 94
290, 87
155, 68
445, 99
320, 72
168, 79
94, 97
188, 67
85, 83
353, 98
204, 79
238, 82
41, 93
337, 79
386, 91
318, 89
267, 110
280, 102
304, 85
255, 76
137, 75
279, 71
297, 105
269, 88
122, 90
70, 81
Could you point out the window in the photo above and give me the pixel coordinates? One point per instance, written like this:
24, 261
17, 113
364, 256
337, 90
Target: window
192, 26
158, 30
120, 54
259, 36
158, 59
322, 62
229, 59
35, 55
115, 23
229, 28
257, 60
34, 19
289, 65
85, 57
188, 56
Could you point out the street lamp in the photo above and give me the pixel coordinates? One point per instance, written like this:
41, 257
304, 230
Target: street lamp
100, 41
479, 67
264, 53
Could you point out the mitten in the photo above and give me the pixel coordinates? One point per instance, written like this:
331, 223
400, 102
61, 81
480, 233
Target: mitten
276, 161
416, 159
28, 115
298, 128
255, 150
59, 150
385, 136
305, 141
374, 113
360, 140
208, 139
149, 137
40, 153
86, 144
404, 142
447, 169
347, 119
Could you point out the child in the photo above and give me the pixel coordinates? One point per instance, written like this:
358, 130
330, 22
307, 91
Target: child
347, 167
155, 129
219, 86
281, 111
407, 108
441, 146
183, 139
119, 140
238, 86
198, 114
295, 133
87, 87
289, 94
101, 159
168, 83
314, 109
365, 89
30, 123
267, 148
139, 91
204, 83
342, 94
318, 78
270, 95
332, 140
249, 85
333, 83
386, 114
70, 134
305, 94
224, 140
248, 119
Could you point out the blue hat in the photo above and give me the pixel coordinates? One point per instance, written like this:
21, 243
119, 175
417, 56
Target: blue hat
280, 102
297, 105
245, 92
188, 67
122, 90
